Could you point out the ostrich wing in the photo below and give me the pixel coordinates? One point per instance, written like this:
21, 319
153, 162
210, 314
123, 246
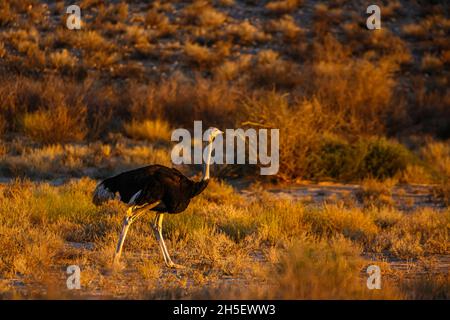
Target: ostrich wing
144, 185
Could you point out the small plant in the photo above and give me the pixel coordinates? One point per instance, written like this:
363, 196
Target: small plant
415, 30
57, 125
383, 158
203, 14
287, 27
245, 33
315, 269
198, 54
151, 130
376, 193
63, 60
431, 62
283, 6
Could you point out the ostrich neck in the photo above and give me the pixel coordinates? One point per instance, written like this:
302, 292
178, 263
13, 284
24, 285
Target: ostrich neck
206, 164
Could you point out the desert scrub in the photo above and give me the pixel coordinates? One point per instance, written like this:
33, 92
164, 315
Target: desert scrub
203, 14
27, 251
427, 287
437, 155
413, 235
245, 33
30, 246
150, 130
63, 60
374, 157
61, 124
37, 219
384, 158
219, 192
75, 160
279, 222
325, 269
287, 27
331, 221
335, 158
219, 208
217, 238
429, 229
272, 70
376, 193
325, 155
283, 6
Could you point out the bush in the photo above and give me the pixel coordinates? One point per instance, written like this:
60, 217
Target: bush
376, 193
151, 130
325, 270
378, 158
383, 158
283, 6
57, 125
336, 158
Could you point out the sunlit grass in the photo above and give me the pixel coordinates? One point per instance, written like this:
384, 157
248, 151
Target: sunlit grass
319, 248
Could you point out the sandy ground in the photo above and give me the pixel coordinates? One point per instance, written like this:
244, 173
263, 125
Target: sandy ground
406, 197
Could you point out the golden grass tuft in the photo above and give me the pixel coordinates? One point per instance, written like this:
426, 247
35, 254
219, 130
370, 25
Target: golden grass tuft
326, 270
203, 14
287, 27
309, 252
431, 62
246, 33
283, 6
376, 193
151, 130
198, 54
63, 60
56, 125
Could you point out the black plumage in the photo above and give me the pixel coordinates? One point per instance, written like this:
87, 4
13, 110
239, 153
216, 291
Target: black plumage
153, 183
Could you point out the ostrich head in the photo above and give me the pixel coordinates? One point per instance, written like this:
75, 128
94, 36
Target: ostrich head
213, 133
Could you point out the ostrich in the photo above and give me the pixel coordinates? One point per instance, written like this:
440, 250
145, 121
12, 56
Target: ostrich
156, 188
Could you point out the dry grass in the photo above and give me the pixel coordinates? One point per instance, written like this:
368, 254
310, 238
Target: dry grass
326, 270
63, 60
200, 12
69, 160
151, 130
414, 30
283, 6
198, 54
67, 98
376, 193
287, 27
431, 62
437, 156
309, 252
57, 125
202, 60
246, 33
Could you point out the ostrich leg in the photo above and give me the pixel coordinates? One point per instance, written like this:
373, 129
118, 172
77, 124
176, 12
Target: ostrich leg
157, 229
132, 214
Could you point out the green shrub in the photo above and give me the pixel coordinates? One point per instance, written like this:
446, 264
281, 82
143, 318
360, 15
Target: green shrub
336, 158
383, 158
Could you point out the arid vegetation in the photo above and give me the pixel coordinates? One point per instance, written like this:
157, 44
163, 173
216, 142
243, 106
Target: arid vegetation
352, 105
176, 62
280, 249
